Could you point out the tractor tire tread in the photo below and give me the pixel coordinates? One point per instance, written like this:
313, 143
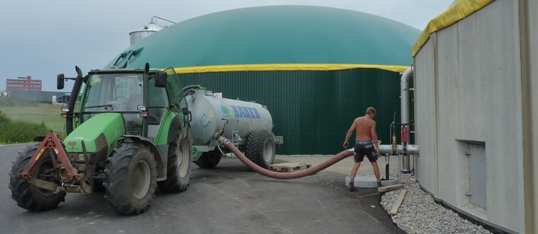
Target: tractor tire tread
174, 183
254, 148
118, 192
209, 160
21, 190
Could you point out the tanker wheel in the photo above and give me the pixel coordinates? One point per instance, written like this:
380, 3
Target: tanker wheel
27, 195
179, 166
261, 148
131, 179
209, 159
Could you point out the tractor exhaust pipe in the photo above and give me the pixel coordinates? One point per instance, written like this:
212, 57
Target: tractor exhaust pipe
72, 101
283, 175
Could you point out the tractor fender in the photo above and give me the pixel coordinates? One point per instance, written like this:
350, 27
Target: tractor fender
171, 128
161, 166
175, 130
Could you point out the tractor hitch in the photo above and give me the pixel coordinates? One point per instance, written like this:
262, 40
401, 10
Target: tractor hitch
51, 141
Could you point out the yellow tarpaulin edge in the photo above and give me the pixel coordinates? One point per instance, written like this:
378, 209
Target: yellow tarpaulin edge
450, 16
285, 67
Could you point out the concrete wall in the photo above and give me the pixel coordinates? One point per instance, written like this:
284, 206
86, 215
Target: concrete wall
425, 115
531, 46
476, 84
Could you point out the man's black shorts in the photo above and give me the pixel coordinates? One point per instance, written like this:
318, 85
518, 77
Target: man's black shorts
364, 148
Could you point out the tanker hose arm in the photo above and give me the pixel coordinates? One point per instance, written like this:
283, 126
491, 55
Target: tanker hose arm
225, 124
221, 139
221, 132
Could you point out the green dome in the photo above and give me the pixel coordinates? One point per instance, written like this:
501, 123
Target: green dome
276, 35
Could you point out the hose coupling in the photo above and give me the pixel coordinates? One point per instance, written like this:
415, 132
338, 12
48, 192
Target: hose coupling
222, 140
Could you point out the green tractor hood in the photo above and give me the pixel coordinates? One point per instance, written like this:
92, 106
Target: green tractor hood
99, 134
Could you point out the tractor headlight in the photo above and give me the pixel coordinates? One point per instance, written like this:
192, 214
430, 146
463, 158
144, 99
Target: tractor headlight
143, 111
64, 111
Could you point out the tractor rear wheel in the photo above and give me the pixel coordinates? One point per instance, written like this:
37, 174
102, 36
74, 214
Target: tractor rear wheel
209, 159
27, 195
179, 166
260, 148
131, 179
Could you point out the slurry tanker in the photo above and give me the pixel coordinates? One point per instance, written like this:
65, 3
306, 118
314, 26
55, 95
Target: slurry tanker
130, 131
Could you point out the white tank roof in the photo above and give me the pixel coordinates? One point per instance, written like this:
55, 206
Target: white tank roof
151, 27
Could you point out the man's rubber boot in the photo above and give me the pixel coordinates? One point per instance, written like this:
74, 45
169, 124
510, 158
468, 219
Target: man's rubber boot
351, 187
379, 185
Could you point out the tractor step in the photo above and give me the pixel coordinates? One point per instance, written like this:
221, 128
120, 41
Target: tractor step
289, 167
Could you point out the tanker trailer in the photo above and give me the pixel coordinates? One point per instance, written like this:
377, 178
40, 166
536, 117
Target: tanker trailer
247, 124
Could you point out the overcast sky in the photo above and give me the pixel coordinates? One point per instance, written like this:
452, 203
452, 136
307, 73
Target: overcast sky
44, 38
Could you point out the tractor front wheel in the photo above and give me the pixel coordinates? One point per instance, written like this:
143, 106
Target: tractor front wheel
131, 179
27, 195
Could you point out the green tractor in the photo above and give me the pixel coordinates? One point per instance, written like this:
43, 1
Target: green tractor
128, 131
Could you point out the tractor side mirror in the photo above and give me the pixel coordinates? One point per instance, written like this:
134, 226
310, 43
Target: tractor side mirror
60, 81
187, 114
160, 79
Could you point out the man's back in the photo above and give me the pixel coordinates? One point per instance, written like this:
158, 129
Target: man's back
363, 128
366, 144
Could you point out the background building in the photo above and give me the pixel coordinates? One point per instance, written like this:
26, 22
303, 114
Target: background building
41, 96
315, 68
476, 92
23, 83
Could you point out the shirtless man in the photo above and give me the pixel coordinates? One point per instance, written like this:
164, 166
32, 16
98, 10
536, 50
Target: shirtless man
366, 137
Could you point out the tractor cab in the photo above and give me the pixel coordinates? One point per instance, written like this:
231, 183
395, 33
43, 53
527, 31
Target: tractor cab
123, 93
140, 98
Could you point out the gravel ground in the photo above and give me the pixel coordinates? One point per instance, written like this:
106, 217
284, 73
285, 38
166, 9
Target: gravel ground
419, 213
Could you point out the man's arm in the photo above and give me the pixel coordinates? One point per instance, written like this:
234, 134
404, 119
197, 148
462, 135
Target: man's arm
374, 138
349, 132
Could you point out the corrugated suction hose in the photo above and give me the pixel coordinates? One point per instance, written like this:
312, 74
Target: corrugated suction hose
283, 175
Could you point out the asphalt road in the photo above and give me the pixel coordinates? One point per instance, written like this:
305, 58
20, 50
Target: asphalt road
227, 199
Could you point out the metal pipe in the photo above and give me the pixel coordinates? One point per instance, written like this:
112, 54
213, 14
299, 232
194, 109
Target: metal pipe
157, 17
404, 98
387, 149
399, 168
412, 150
387, 167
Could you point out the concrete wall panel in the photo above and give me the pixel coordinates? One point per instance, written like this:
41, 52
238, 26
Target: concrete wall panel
533, 53
425, 116
471, 103
471, 88
499, 52
448, 111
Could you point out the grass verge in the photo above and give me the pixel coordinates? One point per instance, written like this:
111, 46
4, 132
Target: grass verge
47, 115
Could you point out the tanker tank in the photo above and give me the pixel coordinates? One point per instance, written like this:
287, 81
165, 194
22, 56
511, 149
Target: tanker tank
247, 124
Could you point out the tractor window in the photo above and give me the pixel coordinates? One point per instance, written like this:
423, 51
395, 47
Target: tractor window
130, 90
157, 103
174, 87
157, 95
175, 91
113, 92
93, 91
